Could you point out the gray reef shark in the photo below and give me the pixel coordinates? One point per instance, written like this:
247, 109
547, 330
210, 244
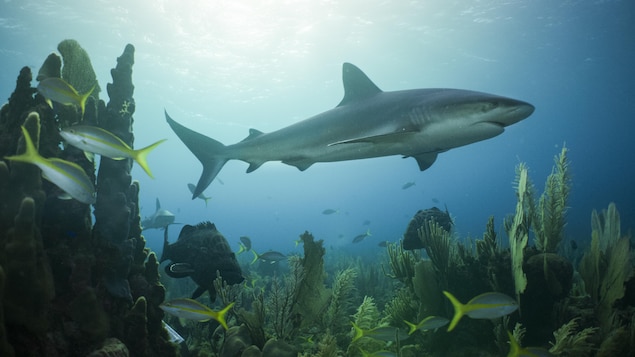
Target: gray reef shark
161, 218
368, 122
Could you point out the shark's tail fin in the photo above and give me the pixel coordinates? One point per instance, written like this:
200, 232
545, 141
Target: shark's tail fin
211, 153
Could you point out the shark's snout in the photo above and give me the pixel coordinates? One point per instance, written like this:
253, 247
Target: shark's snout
517, 111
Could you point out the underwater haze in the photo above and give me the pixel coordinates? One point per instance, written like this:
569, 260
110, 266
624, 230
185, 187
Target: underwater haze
223, 67
363, 257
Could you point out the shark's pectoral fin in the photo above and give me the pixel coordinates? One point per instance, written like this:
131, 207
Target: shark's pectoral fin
425, 160
396, 136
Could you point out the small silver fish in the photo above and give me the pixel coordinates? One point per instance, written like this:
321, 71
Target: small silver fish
362, 236
270, 256
99, 141
202, 196
66, 175
407, 185
58, 90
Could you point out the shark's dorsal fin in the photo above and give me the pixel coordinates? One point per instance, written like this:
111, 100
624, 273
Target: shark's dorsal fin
158, 205
253, 133
357, 85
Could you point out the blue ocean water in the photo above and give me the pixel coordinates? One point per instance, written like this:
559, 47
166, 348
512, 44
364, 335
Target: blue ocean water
222, 67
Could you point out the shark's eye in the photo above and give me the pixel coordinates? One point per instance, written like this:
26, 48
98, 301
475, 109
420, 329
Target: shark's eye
488, 106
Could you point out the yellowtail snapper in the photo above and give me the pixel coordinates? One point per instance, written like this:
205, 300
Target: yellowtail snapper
202, 196
384, 333
269, 256
58, 90
99, 141
362, 236
485, 306
193, 310
429, 323
245, 244
515, 350
66, 175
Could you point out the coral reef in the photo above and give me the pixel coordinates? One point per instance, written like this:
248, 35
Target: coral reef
69, 284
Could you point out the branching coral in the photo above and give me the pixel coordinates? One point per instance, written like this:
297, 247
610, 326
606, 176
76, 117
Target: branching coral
341, 301
403, 306
281, 301
255, 320
402, 263
518, 228
428, 289
438, 244
550, 217
606, 267
366, 317
570, 342
487, 248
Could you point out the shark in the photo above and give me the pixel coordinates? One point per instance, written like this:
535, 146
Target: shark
161, 218
367, 123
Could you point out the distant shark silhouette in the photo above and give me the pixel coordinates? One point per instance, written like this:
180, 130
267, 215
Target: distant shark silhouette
160, 219
368, 122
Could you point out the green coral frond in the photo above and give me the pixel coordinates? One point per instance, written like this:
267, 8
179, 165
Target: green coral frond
571, 343
402, 263
341, 300
550, 217
367, 315
518, 228
438, 244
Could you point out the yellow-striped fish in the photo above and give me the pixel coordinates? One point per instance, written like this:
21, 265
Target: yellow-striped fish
58, 90
429, 323
66, 175
193, 310
485, 306
99, 141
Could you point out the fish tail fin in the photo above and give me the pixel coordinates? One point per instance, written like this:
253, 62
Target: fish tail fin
84, 97
359, 333
256, 256
242, 248
211, 153
412, 326
514, 347
30, 155
141, 155
220, 316
458, 310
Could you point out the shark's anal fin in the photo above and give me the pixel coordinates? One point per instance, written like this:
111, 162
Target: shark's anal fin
301, 163
425, 160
